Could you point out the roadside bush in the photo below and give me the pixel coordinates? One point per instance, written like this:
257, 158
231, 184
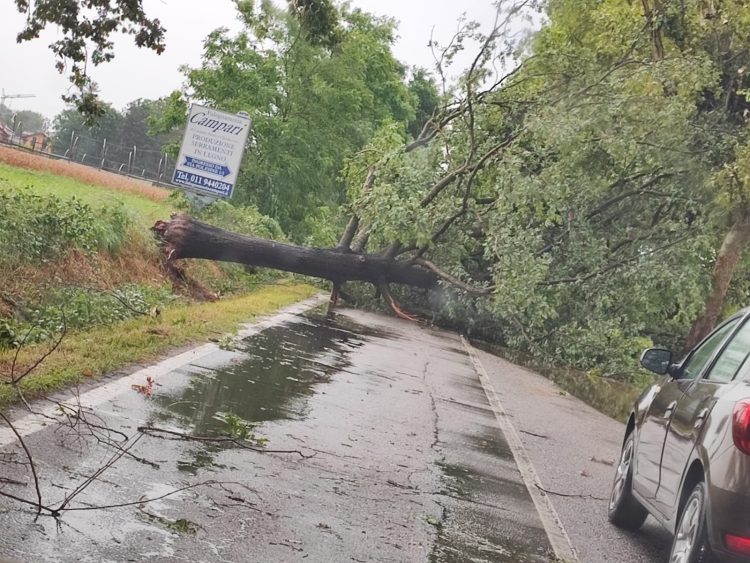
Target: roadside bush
243, 220
324, 226
246, 220
35, 228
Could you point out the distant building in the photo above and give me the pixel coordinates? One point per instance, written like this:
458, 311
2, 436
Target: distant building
38, 141
35, 140
6, 133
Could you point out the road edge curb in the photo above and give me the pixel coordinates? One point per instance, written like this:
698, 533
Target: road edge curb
553, 526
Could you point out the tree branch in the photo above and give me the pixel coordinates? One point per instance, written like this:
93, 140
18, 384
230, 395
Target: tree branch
613, 266
446, 180
443, 275
624, 195
351, 228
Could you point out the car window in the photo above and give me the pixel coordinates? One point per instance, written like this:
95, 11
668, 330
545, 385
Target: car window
700, 357
732, 357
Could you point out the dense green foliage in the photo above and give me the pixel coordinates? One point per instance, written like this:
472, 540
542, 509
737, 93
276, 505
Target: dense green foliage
36, 230
611, 170
72, 308
246, 220
611, 205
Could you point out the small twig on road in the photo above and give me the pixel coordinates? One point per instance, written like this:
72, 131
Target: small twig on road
39, 505
6, 481
609, 462
154, 499
94, 476
592, 497
534, 434
286, 544
398, 485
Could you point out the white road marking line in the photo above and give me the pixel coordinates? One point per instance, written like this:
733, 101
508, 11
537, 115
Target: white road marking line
556, 533
32, 423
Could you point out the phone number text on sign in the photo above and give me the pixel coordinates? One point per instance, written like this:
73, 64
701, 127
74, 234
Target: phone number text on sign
217, 187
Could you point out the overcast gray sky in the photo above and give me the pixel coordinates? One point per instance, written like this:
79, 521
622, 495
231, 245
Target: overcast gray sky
136, 73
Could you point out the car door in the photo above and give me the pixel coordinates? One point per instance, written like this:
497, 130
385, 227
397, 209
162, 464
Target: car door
653, 431
691, 412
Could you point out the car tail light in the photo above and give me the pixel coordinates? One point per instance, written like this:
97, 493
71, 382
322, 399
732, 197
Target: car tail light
737, 544
741, 426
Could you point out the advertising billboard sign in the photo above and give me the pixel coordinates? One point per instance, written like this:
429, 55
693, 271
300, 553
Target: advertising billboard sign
211, 151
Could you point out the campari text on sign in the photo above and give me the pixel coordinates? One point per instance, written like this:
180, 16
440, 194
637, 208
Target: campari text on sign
211, 151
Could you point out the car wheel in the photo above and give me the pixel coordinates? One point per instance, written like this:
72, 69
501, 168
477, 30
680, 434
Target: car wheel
624, 509
690, 544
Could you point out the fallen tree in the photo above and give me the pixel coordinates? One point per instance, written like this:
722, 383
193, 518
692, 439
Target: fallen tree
184, 237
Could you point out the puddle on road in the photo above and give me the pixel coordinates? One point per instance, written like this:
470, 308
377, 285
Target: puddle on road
267, 377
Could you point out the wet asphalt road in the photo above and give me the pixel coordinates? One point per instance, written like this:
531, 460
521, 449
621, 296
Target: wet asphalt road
573, 448
395, 453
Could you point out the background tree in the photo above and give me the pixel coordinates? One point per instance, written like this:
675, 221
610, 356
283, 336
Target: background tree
24, 119
316, 89
122, 131
70, 123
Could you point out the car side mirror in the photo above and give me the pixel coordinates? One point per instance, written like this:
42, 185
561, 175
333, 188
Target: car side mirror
657, 360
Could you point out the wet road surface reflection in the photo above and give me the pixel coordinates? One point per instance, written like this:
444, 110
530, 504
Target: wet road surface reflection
268, 378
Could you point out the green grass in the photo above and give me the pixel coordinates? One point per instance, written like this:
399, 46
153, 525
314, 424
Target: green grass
92, 353
144, 210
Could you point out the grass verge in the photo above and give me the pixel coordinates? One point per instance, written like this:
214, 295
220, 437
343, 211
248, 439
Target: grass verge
609, 396
85, 174
92, 353
144, 202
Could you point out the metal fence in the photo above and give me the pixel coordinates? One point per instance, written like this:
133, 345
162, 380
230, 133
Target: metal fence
130, 160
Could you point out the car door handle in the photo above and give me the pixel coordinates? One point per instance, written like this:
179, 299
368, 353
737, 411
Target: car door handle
700, 418
669, 410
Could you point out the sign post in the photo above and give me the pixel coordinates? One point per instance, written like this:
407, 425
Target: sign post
211, 151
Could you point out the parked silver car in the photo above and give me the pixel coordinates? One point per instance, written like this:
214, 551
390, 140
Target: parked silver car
686, 453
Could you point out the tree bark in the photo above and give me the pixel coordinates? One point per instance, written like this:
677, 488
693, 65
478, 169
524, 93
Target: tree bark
187, 238
731, 251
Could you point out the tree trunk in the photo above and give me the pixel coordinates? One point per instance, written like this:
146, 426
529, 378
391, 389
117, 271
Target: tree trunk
731, 251
187, 238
